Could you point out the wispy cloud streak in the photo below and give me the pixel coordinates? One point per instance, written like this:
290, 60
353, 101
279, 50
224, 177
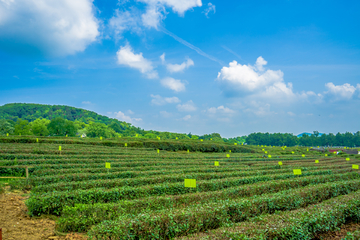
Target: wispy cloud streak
234, 53
189, 45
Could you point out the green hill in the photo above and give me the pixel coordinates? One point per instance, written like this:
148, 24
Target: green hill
31, 111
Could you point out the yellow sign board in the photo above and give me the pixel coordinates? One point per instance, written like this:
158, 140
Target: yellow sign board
280, 163
216, 163
107, 165
297, 171
227, 155
355, 166
190, 183
316, 161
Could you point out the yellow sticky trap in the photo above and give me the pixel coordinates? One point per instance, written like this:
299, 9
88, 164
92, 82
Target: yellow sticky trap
347, 159
216, 163
19, 134
177, 138
334, 152
303, 155
262, 145
280, 163
107, 165
157, 150
66, 135
7, 134
188, 151
235, 143
344, 147
100, 138
265, 152
201, 140
297, 171
316, 161
269, 156
292, 152
125, 144
137, 135
37, 140
263, 149
307, 149
318, 147
227, 155
229, 151
242, 143
59, 148
326, 155
211, 139
355, 166
191, 183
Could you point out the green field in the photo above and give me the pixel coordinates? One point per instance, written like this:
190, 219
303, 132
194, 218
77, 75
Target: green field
143, 196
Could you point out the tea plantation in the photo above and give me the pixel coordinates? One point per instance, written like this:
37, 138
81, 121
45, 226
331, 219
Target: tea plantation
129, 188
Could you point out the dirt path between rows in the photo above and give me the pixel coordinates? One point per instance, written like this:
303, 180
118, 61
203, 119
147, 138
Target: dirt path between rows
17, 225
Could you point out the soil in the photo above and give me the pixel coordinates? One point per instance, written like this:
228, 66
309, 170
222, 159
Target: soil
338, 235
17, 225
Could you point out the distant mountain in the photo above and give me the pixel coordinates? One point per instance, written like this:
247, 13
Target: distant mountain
30, 112
309, 134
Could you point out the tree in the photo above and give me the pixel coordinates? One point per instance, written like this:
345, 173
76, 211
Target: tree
6, 127
22, 127
100, 130
39, 127
61, 127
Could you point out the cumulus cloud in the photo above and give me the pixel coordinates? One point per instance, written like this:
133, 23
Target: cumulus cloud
186, 107
173, 84
341, 92
48, 26
162, 57
158, 100
220, 109
210, 8
155, 10
244, 80
122, 117
165, 114
126, 56
179, 67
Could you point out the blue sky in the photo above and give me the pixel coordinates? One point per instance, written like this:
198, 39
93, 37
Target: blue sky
232, 67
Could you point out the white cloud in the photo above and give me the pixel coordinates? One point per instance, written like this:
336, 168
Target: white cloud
186, 107
247, 78
130, 112
260, 62
291, 114
158, 100
187, 117
179, 67
48, 26
155, 10
86, 102
173, 84
165, 114
162, 57
210, 8
126, 56
339, 92
123, 21
122, 117
220, 109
